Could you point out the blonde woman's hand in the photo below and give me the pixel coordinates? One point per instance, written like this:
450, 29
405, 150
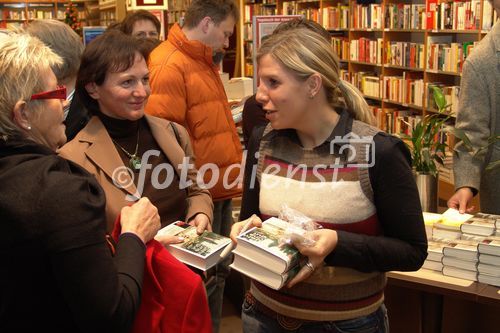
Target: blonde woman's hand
240, 227
141, 219
325, 243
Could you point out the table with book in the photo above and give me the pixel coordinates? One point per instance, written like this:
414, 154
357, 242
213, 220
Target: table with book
459, 290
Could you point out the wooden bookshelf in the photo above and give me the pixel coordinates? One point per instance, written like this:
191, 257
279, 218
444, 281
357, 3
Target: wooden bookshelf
390, 21
13, 13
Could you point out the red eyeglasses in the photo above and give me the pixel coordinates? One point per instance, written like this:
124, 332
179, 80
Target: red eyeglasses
59, 93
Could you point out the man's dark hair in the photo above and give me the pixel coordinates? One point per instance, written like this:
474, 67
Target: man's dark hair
127, 25
98, 61
217, 10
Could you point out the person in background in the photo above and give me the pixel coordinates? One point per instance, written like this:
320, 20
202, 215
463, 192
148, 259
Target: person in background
141, 24
253, 114
478, 116
68, 45
115, 87
58, 273
364, 197
186, 88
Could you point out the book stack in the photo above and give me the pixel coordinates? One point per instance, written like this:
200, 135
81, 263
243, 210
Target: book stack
448, 227
489, 261
261, 256
429, 220
434, 255
460, 259
480, 226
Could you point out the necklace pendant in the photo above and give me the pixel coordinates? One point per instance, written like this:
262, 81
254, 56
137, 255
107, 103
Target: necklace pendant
135, 162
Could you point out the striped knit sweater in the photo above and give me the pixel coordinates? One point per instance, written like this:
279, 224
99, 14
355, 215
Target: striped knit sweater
304, 179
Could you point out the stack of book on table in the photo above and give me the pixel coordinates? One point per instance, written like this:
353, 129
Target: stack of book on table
434, 255
200, 251
448, 227
464, 246
460, 259
481, 226
489, 261
263, 257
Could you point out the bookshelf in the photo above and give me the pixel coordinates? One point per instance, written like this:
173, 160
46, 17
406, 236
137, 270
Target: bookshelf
390, 49
14, 13
176, 11
111, 11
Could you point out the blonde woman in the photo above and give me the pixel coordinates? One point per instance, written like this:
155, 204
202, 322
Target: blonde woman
351, 178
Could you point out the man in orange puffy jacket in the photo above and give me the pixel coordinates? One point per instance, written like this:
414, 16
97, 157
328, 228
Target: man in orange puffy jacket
186, 88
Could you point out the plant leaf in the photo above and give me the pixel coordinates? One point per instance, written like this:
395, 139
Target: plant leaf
439, 97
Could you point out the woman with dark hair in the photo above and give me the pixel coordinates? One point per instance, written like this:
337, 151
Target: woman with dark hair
114, 86
141, 24
134, 155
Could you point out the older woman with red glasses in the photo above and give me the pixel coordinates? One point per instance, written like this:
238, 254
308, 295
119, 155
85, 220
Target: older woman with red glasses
53, 242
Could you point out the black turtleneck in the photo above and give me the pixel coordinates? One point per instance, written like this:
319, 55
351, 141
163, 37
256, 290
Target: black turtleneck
170, 201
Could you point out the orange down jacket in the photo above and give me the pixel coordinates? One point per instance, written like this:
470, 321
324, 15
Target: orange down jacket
186, 88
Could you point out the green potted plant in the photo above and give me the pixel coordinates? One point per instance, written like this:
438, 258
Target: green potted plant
427, 152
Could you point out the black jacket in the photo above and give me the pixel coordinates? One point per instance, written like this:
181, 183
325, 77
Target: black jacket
57, 273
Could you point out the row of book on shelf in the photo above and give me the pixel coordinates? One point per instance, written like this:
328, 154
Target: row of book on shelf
443, 54
458, 15
464, 246
402, 89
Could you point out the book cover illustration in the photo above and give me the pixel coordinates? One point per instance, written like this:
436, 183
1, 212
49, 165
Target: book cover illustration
200, 245
268, 238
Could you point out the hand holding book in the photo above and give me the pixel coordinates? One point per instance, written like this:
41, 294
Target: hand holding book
201, 222
239, 228
325, 243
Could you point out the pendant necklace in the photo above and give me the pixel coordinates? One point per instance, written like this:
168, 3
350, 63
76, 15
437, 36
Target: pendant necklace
135, 161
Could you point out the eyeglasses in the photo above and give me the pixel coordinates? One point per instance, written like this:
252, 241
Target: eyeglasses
59, 93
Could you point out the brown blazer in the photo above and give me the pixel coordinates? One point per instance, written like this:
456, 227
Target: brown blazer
93, 149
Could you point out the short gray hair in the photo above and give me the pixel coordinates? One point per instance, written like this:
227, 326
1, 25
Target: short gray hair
23, 58
63, 41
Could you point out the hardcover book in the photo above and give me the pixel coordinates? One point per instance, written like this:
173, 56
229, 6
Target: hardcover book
459, 263
200, 251
489, 259
488, 279
465, 250
479, 226
262, 274
262, 245
491, 270
433, 265
490, 245
435, 250
460, 273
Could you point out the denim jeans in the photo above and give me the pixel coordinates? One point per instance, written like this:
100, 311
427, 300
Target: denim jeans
223, 220
255, 321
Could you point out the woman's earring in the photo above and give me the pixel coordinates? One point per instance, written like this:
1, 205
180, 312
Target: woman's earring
311, 96
29, 128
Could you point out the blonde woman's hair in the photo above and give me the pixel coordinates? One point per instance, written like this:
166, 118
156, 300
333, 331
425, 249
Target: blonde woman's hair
23, 62
305, 52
